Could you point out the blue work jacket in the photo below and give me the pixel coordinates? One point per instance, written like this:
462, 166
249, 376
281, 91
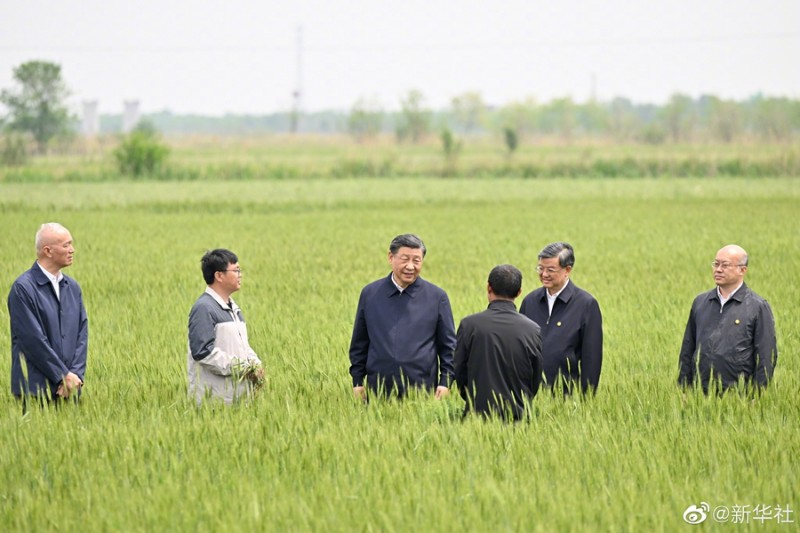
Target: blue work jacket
50, 334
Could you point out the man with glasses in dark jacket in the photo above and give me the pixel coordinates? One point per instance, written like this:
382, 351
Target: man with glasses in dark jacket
571, 322
730, 335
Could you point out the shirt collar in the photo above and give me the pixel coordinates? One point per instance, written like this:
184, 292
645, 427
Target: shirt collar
731, 295
556, 295
222, 303
51, 277
394, 288
394, 281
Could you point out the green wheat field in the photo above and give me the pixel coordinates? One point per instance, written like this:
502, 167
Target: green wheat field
137, 455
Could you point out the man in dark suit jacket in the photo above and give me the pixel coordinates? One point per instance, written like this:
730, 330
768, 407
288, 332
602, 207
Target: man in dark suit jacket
571, 322
404, 332
498, 355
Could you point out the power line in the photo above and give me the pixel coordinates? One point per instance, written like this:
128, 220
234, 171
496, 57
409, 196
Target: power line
430, 46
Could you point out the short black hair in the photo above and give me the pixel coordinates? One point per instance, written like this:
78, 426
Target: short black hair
407, 240
562, 250
216, 261
505, 281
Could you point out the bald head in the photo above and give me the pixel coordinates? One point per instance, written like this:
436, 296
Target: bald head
730, 266
54, 249
48, 234
734, 251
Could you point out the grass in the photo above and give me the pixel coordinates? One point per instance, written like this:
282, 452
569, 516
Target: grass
204, 158
137, 455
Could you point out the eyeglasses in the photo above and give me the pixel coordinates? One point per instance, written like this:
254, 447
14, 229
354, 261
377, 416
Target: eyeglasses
724, 266
237, 270
550, 270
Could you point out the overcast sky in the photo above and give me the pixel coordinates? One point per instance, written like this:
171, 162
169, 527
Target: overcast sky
242, 56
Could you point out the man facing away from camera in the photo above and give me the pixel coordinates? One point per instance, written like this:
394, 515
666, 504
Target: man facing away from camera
403, 333
730, 334
571, 322
219, 350
498, 358
49, 326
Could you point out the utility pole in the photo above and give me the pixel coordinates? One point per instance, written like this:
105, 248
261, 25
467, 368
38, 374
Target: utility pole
297, 95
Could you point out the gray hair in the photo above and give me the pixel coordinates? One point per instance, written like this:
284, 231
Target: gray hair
562, 250
47, 227
407, 240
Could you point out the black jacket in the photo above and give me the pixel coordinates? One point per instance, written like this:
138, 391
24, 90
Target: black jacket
498, 360
738, 342
572, 337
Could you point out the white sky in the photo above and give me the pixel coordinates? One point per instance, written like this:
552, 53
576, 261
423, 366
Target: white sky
238, 56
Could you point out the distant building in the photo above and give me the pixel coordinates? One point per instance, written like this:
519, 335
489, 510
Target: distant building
131, 116
90, 126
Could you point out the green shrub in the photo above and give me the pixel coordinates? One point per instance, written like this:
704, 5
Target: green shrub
15, 150
141, 152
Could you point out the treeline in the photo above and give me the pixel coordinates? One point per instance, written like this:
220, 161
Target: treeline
681, 120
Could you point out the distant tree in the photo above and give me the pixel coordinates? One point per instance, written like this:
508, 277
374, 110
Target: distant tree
724, 119
415, 118
365, 120
593, 118
678, 118
623, 120
521, 116
451, 147
14, 150
560, 117
773, 118
512, 140
468, 111
38, 104
141, 152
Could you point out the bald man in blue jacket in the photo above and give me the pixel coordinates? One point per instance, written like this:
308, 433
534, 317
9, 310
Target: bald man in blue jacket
49, 326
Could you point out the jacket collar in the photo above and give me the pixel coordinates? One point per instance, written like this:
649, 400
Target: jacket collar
411, 290
223, 304
739, 295
565, 295
506, 305
41, 278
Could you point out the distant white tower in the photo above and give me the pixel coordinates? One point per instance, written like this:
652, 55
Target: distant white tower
131, 117
297, 94
91, 120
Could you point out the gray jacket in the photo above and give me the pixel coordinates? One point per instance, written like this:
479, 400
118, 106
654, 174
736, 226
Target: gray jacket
217, 345
737, 342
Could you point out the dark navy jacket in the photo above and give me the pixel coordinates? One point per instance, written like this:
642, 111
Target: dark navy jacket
403, 338
572, 336
738, 342
51, 335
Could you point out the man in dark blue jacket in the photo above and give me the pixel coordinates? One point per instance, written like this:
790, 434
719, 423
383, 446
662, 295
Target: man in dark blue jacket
49, 327
571, 322
404, 332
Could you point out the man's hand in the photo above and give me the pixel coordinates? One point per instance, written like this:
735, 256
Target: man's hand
441, 392
360, 393
70, 383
